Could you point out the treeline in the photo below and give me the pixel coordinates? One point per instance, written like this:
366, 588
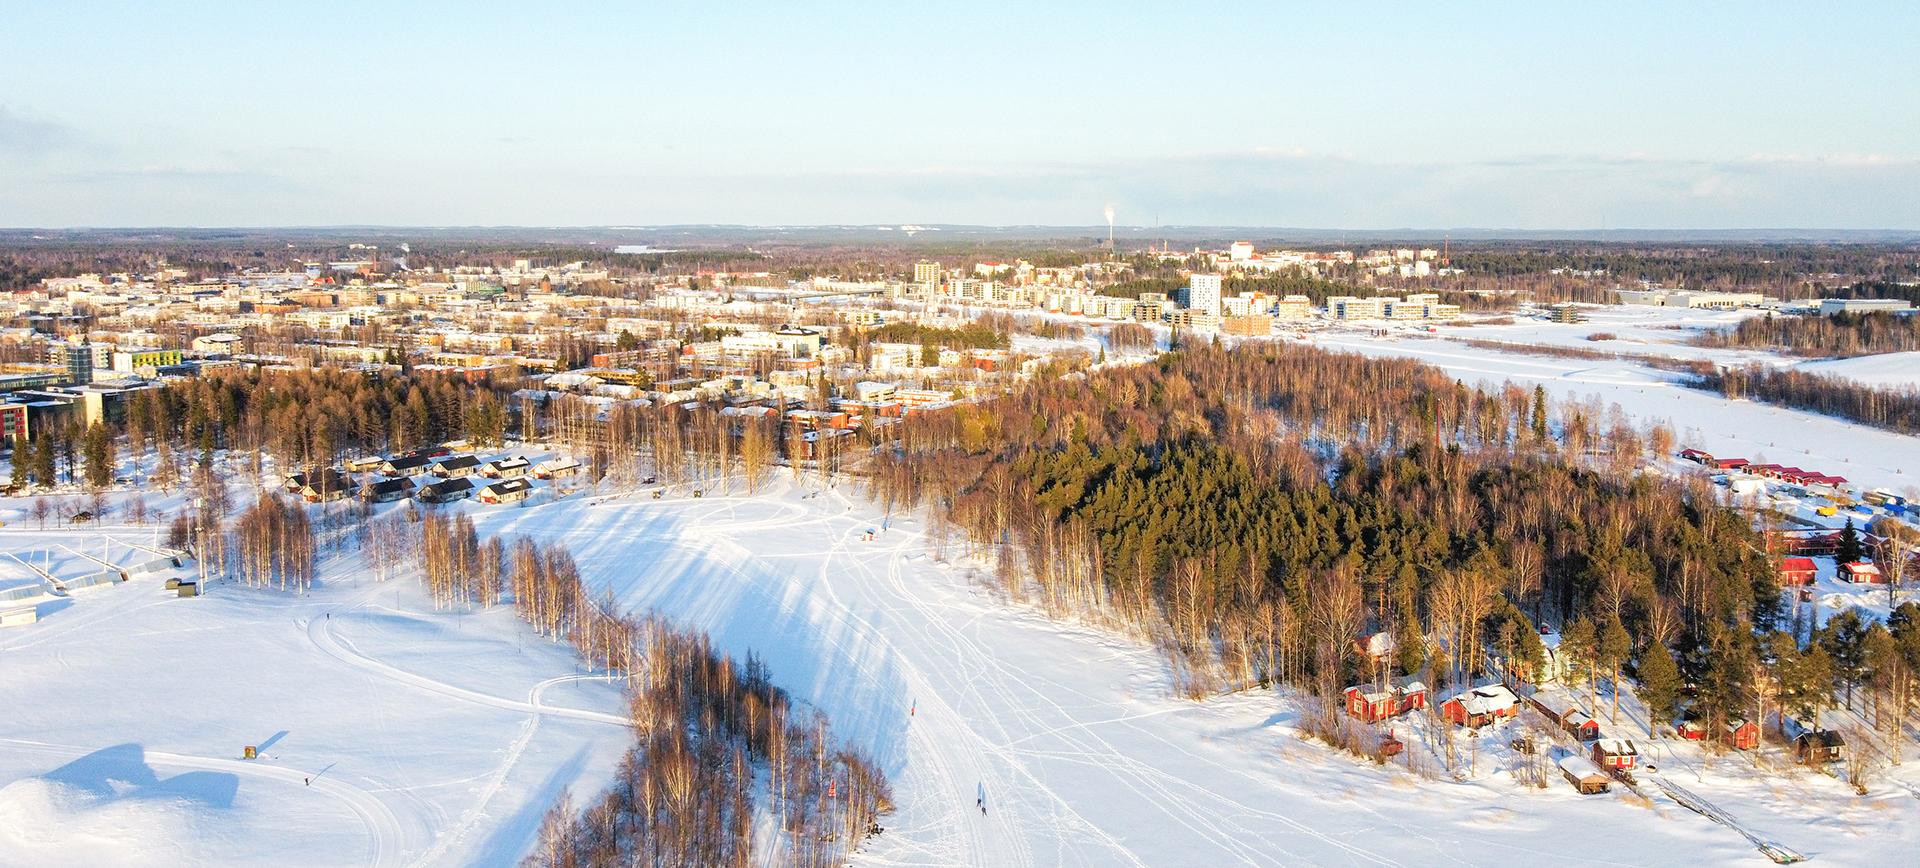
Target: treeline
303, 418
1256, 510
1892, 409
1842, 334
974, 336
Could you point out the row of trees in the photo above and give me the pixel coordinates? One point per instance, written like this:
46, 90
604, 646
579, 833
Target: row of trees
275, 544
1892, 409
1842, 334
716, 743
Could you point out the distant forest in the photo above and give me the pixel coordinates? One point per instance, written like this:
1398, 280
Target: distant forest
1841, 335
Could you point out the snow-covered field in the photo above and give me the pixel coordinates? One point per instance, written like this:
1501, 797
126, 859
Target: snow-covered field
440, 737
1867, 456
1885, 370
389, 734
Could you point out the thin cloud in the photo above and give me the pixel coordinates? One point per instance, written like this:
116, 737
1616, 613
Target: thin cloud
23, 135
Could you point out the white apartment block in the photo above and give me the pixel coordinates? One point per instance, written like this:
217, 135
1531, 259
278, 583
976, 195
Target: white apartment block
1203, 294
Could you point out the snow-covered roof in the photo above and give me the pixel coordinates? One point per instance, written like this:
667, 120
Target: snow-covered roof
1579, 766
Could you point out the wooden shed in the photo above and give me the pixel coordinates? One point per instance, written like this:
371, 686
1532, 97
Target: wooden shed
1741, 735
1585, 777
1816, 747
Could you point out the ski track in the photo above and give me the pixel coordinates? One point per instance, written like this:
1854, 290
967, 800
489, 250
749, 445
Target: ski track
319, 630
387, 839
980, 719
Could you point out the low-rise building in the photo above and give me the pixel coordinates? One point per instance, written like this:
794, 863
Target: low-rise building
505, 491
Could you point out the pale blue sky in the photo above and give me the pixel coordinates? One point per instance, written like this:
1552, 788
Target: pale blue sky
1336, 115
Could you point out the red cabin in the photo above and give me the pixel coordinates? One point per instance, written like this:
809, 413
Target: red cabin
1612, 754
1371, 704
1862, 573
1742, 735
1797, 571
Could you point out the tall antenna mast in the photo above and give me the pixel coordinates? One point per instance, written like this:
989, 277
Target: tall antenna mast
1110, 248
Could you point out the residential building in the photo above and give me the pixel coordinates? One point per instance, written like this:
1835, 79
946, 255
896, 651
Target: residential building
1203, 293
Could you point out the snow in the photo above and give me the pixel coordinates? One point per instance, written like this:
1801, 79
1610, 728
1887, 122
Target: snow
1885, 370
440, 737
1866, 456
1071, 732
128, 708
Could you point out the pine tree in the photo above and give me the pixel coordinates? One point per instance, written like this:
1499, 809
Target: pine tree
1540, 413
1659, 683
97, 449
1579, 647
1615, 645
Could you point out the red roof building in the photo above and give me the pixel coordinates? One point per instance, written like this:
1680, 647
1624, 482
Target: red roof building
1797, 571
1862, 573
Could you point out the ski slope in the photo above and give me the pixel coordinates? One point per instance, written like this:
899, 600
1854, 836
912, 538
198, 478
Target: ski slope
1083, 757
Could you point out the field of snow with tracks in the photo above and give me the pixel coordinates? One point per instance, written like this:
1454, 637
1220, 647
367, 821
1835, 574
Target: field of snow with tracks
394, 735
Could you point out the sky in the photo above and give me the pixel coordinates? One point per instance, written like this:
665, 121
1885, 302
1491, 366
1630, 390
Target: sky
1349, 115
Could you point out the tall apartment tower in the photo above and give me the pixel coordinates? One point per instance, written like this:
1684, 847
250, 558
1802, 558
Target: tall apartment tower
80, 359
1203, 294
927, 274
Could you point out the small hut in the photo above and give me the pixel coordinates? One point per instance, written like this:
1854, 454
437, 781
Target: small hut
1584, 775
1820, 746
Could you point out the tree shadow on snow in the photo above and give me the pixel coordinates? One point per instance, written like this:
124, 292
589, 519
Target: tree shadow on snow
516, 834
121, 772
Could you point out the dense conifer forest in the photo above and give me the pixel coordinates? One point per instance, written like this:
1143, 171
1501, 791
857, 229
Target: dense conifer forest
1254, 511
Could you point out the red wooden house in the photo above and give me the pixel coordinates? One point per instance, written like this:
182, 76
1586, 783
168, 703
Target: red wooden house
1742, 735
1863, 573
1481, 705
1615, 754
1797, 571
1370, 704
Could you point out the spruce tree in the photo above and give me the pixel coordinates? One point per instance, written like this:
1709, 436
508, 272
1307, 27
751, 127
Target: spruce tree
1540, 413
1850, 549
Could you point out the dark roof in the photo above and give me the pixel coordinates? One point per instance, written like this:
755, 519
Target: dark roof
1823, 738
446, 486
458, 461
405, 462
387, 485
505, 486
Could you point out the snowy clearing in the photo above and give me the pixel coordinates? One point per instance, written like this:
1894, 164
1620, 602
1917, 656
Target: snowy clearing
129, 707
